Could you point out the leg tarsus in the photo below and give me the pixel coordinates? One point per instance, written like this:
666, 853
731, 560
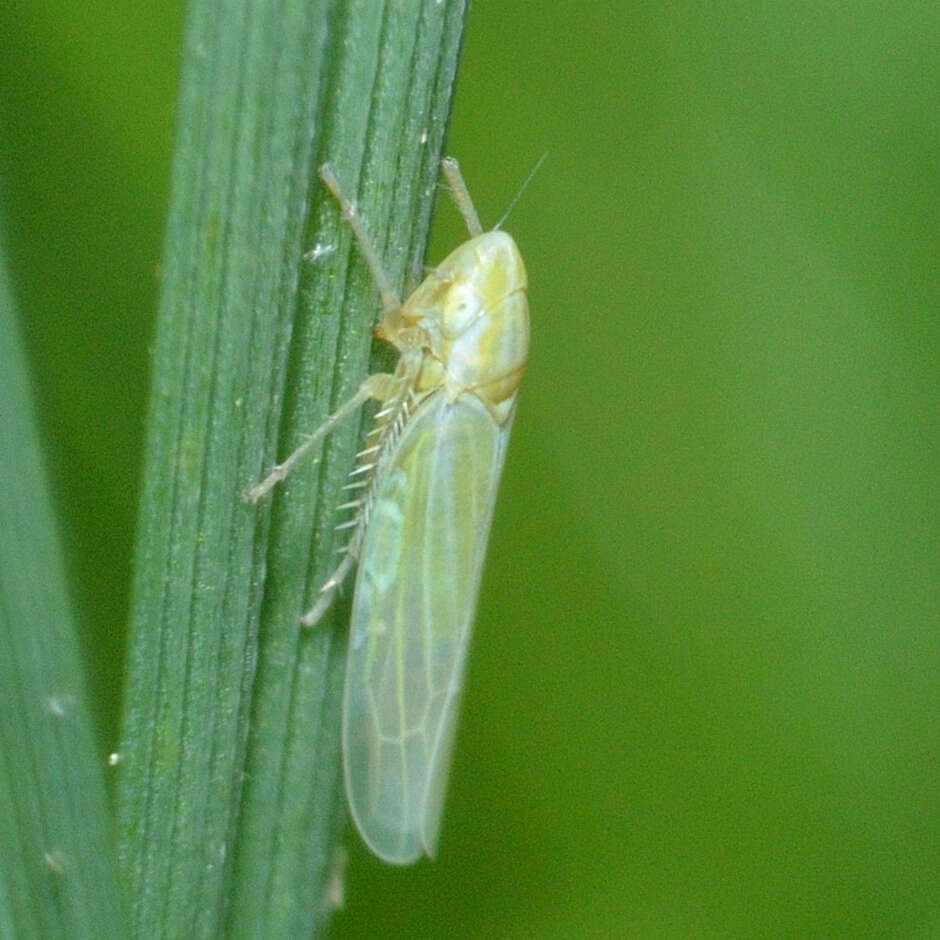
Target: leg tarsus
327, 592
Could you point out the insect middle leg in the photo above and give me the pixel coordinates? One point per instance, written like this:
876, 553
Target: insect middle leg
380, 387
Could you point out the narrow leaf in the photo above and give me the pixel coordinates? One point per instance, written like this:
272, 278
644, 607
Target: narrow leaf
229, 791
57, 872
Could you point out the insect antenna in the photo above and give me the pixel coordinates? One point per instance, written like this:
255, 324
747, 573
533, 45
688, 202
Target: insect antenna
520, 191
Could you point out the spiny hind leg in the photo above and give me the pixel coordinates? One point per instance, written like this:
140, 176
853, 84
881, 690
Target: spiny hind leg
328, 591
380, 387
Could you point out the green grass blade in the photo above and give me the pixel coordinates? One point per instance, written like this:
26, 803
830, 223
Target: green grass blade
229, 797
57, 873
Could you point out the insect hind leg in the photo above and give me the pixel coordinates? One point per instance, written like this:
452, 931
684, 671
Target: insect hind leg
328, 591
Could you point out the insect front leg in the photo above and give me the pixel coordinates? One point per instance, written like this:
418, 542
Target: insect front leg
379, 387
461, 195
390, 300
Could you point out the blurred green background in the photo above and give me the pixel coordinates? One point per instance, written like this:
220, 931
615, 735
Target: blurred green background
703, 695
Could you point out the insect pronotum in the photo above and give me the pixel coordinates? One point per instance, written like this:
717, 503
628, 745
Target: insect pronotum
422, 495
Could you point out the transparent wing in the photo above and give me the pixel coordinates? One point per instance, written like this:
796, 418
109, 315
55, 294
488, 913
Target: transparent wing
416, 592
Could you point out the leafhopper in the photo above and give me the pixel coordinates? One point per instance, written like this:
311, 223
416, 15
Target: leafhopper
421, 497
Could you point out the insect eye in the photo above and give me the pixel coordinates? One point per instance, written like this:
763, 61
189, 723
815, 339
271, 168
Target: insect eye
461, 308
